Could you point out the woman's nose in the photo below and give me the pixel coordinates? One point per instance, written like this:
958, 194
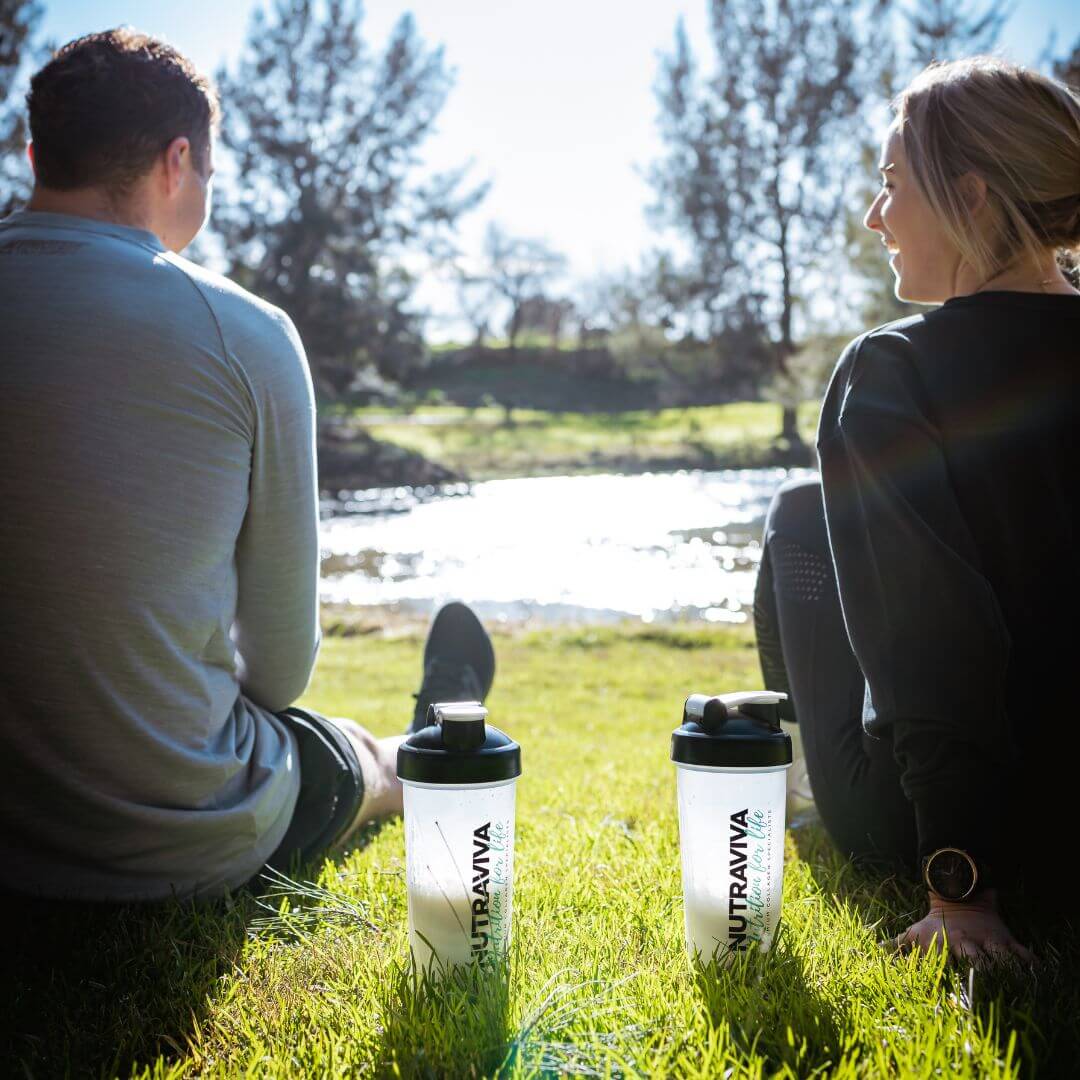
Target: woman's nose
872, 221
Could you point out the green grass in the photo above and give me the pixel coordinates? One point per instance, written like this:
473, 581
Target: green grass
482, 445
598, 983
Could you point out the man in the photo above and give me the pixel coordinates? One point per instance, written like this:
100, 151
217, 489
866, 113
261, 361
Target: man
159, 544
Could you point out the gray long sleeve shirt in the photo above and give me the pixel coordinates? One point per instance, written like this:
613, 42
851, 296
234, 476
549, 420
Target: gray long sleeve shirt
158, 565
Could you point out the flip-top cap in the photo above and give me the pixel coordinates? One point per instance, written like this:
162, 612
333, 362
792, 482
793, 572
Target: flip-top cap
458, 746
739, 730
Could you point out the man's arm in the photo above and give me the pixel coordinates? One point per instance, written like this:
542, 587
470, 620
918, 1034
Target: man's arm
277, 553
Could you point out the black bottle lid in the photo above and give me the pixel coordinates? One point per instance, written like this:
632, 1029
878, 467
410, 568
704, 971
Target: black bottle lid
458, 746
732, 731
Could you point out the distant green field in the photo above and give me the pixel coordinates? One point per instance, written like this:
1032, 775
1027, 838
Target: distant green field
599, 984
481, 444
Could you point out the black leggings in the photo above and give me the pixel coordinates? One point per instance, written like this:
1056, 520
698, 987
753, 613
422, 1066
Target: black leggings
805, 652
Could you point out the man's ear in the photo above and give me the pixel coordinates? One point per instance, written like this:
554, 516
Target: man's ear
972, 190
30, 158
175, 160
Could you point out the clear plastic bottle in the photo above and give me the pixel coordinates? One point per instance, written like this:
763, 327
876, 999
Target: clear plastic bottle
459, 776
732, 757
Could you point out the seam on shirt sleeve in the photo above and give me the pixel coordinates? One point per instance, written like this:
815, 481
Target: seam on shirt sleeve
168, 256
226, 356
929, 425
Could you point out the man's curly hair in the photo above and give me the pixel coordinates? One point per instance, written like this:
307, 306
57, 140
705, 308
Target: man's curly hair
107, 104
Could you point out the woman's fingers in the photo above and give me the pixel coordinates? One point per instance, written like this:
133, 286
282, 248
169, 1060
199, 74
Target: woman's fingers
929, 935
1007, 947
966, 949
917, 937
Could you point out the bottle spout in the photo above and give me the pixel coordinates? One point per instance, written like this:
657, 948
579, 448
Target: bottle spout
710, 713
462, 723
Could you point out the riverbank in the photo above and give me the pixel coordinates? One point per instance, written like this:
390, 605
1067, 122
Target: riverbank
363, 447
350, 458
599, 984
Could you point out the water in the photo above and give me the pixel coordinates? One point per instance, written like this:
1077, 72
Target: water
564, 548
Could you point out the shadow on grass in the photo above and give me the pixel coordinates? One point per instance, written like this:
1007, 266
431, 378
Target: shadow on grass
881, 898
94, 989
456, 1025
770, 1009
1039, 1006
89, 990
466, 1025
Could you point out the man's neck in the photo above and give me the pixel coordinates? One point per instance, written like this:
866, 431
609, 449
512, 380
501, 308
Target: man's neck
91, 203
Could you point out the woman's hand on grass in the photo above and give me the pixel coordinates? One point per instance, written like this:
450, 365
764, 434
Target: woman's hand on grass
973, 930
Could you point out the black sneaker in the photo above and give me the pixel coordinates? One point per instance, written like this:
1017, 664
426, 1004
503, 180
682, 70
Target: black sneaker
459, 661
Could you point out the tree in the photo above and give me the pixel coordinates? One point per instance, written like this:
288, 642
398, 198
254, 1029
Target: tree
754, 179
622, 311
1067, 69
476, 300
874, 283
518, 268
326, 206
18, 22
950, 29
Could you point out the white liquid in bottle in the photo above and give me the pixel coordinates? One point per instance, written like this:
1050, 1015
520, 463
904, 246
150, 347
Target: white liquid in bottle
445, 923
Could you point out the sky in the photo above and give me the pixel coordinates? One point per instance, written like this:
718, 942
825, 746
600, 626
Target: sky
553, 101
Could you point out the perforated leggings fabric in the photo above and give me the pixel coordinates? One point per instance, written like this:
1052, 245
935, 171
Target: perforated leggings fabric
804, 652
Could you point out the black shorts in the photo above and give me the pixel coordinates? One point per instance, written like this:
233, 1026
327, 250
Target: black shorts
331, 789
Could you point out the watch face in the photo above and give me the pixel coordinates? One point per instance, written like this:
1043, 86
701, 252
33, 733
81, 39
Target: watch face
951, 873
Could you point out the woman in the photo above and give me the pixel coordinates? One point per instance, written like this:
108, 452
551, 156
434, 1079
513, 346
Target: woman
941, 540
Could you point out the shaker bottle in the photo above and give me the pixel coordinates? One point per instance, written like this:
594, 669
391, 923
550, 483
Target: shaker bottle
731, 756
459, 776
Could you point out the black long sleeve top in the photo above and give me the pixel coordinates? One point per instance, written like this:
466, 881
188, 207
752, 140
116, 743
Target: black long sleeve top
947, 445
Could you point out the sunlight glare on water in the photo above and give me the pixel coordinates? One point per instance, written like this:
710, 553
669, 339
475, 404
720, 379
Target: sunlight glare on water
658, 546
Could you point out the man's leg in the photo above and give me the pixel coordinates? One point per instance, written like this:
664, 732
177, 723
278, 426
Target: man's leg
805, 652
459, 665
378, 766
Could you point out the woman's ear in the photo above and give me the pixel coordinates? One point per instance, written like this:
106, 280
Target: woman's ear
972, 190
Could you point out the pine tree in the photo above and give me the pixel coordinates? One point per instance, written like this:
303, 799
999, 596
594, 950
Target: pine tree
18, 22
951, 29
1067, 69
754, 178
326, 207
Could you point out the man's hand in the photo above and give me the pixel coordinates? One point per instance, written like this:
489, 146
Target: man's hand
973, 930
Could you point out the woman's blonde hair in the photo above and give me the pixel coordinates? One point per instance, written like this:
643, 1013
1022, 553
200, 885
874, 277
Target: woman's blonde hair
1017, 130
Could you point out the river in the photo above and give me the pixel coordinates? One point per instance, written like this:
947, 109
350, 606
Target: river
656, 547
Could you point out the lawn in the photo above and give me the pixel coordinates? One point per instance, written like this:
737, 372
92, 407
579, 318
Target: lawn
482, 445
598, 984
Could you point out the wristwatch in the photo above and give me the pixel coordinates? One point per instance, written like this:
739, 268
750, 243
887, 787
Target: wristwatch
954, 874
